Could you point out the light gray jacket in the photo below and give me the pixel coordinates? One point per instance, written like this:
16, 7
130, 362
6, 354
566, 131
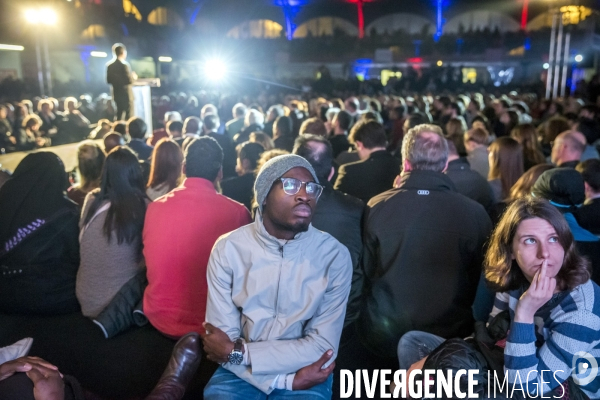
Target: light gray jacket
287, 299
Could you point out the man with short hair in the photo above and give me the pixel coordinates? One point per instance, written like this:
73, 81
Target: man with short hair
353, 107
423, 250
567, 150
120, 77
342, 122
241, 187
313, 126
211, 126
136, 128
111, 140
234, 126
376, 170
180, 230
337, 213
588, 215
466, 181
277, 294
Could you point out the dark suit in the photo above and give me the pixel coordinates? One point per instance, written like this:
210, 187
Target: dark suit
229, 154
143, 151
469, 183
367, 178
339, 144
118, 75
340, 215
588, 216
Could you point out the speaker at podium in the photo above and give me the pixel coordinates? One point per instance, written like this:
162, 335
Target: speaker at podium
142, 100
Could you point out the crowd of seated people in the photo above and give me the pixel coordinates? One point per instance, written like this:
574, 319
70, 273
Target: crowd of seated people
315, 236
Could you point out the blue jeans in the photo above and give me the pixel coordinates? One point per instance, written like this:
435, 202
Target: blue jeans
415, 345
225, 385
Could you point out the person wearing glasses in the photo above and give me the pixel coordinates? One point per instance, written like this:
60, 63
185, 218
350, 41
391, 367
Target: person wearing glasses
277, 294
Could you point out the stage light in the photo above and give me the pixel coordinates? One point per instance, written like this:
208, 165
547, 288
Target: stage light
165, 59
546, 65
11, 47
440, 63
43, 16
215, 70
578, 58
98, 54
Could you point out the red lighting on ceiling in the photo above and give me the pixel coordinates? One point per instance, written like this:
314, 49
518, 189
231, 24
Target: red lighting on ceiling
415, 60
361, 15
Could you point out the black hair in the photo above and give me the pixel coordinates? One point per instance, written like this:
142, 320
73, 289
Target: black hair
344, 120
250, 151
203, 158
590, 170
211, 122
176, 126
136, 128
284, 126
118, 49
370, 133
122, 184
321, 158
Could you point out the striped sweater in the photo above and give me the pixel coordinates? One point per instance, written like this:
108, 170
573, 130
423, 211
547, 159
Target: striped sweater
569, 323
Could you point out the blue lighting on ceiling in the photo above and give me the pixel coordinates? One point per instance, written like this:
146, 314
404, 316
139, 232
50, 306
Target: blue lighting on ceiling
194, 10
440, 21
290, 8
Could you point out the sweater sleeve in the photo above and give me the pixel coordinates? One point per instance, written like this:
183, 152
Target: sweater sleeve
552, 363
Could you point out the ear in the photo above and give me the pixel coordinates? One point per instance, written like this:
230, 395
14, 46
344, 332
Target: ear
359, 145
406, 166
331, 173
446, 167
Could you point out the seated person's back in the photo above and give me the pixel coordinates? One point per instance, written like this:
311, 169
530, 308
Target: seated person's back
179, 233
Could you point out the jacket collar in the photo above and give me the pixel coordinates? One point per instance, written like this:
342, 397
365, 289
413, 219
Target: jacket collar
429, 180
460, 164
199, 184
378, 154
280, 246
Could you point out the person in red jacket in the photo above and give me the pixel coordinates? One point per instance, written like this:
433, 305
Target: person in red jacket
179, 232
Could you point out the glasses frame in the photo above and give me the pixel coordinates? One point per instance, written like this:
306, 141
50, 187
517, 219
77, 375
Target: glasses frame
300, 187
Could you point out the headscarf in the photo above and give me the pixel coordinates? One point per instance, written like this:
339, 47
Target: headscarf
34, 193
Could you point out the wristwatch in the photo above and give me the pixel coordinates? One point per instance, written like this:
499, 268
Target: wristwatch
236, 356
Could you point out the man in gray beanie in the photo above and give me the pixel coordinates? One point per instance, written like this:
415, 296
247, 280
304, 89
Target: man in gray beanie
277, 293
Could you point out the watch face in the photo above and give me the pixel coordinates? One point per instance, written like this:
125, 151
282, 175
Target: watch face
236, 357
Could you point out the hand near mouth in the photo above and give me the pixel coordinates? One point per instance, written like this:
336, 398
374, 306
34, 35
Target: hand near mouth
540, 291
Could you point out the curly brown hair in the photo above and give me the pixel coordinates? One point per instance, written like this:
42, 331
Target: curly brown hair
502, 273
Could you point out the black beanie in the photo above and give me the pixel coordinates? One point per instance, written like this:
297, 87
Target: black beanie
564, 187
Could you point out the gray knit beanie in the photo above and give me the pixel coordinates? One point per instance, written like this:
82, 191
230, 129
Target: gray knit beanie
273, 170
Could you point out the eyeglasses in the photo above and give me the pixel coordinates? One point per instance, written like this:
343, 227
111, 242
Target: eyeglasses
291, 186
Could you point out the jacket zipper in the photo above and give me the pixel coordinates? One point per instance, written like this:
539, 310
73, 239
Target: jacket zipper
276, 310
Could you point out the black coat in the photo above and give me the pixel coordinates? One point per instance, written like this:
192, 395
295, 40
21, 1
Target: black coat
588, 216
422, 261
143, 151
469, 183
340, 215
118, 75
367, 178
339, 144
240, 188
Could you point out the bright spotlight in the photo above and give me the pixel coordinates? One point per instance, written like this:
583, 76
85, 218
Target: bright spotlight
215, 70
440, 63
98, 54
165, 59
12, 47
546, 65
48, 16
32, 16
578, 58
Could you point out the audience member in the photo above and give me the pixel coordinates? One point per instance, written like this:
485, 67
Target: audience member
112, 140
341, 126
111, 232
567, 150
476, 143
253, 122
102, 128
241, 188
179, 233
588, 215
29, 136
301, 332
421, 238
283, 136
273, 113
522, 188
39, 252
313, 126
376, 170
90, 160
211, 125
337, 213
263, 139
466, 181
236, 125
165, 169
136, 128
526, 135
506, 166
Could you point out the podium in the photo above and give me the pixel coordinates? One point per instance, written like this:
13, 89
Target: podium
142, 100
